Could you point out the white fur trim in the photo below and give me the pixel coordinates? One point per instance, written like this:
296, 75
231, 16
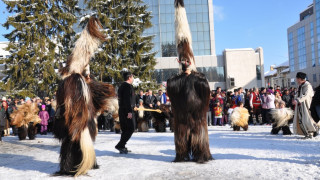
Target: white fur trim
282, 116
182, 26
85, 90
84, 49
88, 153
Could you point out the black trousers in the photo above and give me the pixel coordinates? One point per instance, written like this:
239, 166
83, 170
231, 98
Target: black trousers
266, 119
127, 128
1, 132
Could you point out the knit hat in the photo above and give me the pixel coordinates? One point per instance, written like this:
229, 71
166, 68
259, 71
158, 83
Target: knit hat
27, 99
4, 99
269, 91
43, 106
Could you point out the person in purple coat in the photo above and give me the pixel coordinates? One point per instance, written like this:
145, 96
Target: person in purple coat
44, 116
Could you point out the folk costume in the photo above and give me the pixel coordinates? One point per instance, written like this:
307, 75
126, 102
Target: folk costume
189, 95
239, 118
25, 118
80, 100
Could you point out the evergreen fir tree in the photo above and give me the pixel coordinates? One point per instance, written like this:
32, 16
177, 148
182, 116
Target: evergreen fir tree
127, 48
40, 39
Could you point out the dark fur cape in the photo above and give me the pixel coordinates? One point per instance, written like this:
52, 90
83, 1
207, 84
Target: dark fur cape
189, 96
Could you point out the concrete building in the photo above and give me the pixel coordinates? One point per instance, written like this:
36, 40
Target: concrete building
304, 45
244, 67
278, 76
234, 68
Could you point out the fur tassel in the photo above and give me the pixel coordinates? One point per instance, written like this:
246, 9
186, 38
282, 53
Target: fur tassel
282, 116
183, 38
240, 117
88, 153
103, 95
85, 46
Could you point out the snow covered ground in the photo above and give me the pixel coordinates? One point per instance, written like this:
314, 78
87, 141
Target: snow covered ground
238, 155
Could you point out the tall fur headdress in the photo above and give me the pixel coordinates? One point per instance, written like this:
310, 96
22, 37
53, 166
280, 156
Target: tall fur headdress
183, 38
88, 42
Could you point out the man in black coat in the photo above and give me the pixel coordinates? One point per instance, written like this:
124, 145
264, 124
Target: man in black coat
150, 102
139, 96
3, 119
126, 104
287, 98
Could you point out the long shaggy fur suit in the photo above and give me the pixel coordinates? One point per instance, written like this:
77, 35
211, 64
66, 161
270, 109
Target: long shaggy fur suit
25, 119
189, 94
80, 99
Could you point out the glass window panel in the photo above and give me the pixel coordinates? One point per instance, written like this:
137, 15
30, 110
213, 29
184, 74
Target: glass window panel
191, 18
169, 39
168, 9
199, 17
162, 18
200, 36
194, 36
164, 37
201, 45
207, 45
205, 18
195, 46
200, 26
206, 27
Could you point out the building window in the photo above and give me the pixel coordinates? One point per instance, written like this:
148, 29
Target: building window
161, 75
302, 57
317, 7
313, 57
293, 82
164, 31
291, 51
213, 74
258, 69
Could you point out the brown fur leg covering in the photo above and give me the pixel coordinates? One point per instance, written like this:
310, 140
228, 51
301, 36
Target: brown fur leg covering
182, 142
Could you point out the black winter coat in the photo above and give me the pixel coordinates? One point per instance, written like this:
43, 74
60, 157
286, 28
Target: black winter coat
315, 102
3, 117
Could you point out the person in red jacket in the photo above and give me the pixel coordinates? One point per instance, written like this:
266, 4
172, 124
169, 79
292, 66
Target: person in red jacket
255, 104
